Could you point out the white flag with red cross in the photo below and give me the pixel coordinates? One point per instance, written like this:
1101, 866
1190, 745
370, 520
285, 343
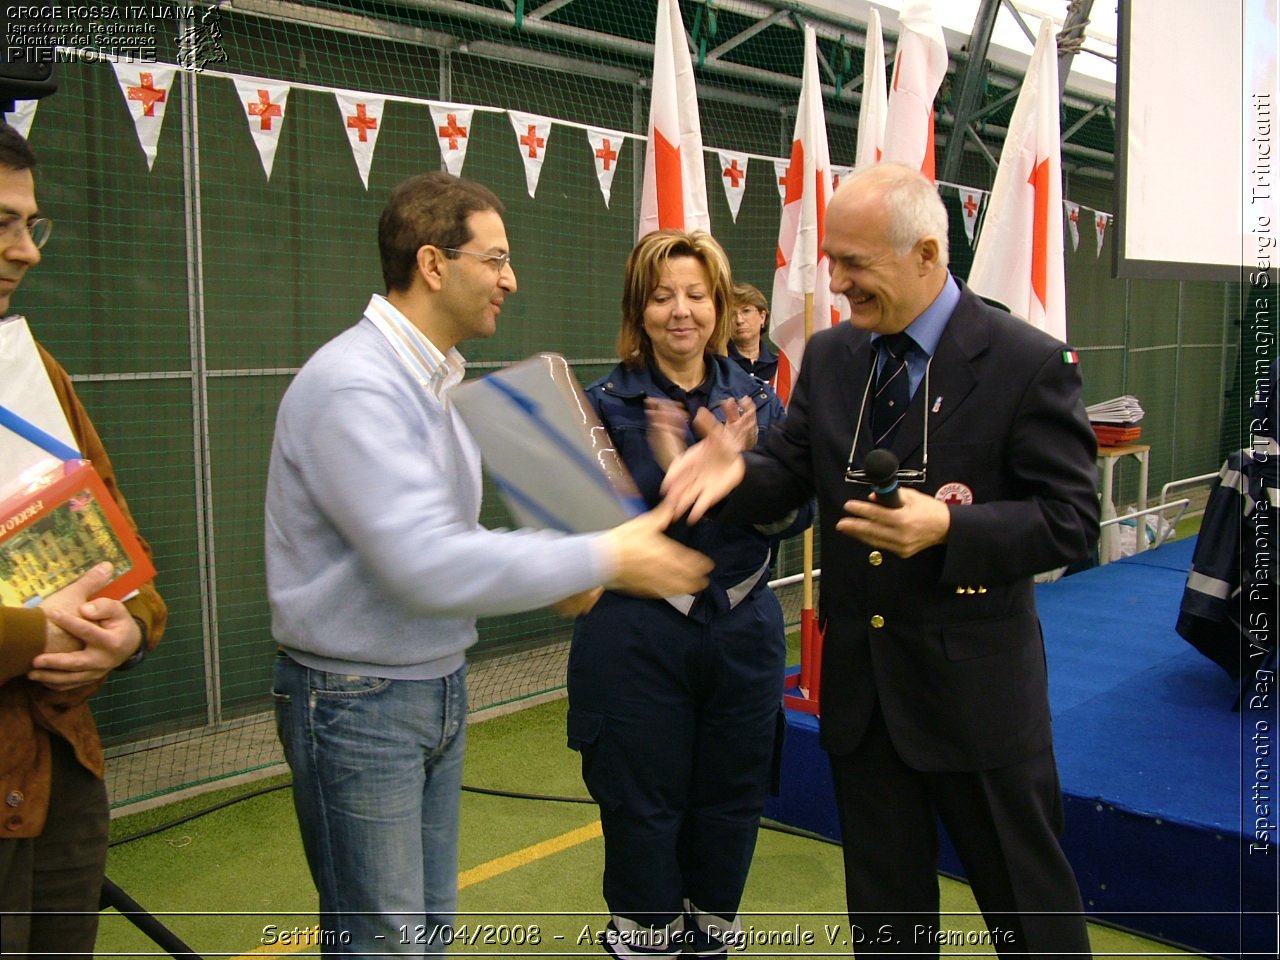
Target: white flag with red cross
803, 267
838, 174
875, 97
675, 182
21, 116
264, 104
1100, 221
1073, 223
918, 68
147, 89
733, 172
453, 131
1020, 259
780, 175
362, 119
970, 204
532, 135
606, 146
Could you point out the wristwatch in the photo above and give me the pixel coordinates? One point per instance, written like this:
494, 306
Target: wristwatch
141, 653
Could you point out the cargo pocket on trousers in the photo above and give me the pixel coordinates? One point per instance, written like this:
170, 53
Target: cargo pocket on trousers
586, 735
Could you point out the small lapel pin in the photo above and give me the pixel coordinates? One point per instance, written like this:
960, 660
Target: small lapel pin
937, 404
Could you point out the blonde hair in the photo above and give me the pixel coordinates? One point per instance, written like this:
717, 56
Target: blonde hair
644, 269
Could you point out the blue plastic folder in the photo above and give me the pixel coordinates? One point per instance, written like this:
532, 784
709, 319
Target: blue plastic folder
544, 448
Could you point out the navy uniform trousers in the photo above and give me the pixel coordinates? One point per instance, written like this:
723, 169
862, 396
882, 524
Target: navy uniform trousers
678, 719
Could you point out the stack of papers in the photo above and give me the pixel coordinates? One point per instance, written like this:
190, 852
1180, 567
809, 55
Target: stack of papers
1119, 411
1116, 421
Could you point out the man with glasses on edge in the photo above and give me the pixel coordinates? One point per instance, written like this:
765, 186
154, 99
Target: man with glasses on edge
377, 568
53, 801
934, 691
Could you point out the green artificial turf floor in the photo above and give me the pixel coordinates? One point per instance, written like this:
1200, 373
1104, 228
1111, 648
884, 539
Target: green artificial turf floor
234, 882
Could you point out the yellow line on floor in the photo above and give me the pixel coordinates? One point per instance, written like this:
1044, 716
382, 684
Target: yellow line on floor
528, 855
305, 937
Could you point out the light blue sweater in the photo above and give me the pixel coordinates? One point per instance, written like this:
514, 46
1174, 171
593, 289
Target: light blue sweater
376, 562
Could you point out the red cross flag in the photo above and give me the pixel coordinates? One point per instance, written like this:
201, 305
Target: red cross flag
918, 69
147, 88
1020, 260
362, 119
532, 134
970, 204
1073, 223
838, 174
733, 172
675, 183
875, 97
1100, 226
802, 265
606, 145
263, 103
21, 117
780, 175
453, 130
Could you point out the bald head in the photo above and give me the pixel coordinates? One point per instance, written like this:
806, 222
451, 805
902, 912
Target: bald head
886, 237
915, 209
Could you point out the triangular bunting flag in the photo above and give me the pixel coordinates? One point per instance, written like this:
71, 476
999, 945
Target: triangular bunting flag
362, 119
838, 174
1073, 223
24, 111
875, 97
263, 103
605, 149
918, 69
970, 204
780, 174
733, 171
453, 130
1100, 225
532, 135
147, 89
674, 192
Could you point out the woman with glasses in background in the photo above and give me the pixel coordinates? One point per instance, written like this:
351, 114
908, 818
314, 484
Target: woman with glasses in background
747, 347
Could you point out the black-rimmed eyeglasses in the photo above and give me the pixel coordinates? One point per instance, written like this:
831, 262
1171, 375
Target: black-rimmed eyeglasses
858, 474
502, 260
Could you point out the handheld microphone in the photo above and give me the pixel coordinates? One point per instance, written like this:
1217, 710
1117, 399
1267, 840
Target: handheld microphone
881, 467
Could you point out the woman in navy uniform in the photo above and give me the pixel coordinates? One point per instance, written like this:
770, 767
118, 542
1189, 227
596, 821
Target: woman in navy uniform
675, 704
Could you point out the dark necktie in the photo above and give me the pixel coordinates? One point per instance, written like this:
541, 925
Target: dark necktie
893, 388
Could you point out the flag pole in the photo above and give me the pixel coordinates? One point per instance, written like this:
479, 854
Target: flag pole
809, 651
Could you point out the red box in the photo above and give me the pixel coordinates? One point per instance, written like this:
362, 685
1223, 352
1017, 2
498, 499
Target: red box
60, 527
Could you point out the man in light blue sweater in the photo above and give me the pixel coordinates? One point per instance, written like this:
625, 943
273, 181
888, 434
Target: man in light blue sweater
377, 568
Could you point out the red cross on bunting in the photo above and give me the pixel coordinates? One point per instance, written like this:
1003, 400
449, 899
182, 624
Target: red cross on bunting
970, 205
1073, 214
734, 172
147, 94
606, 153
265, 109
456, 133
530, 140
361, 121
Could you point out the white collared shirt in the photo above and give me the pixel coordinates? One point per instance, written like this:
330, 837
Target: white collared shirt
437, 372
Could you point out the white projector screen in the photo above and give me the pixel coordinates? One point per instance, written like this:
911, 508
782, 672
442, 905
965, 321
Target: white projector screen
1196, 164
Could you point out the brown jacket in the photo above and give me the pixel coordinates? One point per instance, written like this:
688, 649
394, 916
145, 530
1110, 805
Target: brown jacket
31, 712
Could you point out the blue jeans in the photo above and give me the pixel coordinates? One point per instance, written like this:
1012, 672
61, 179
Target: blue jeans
377, 781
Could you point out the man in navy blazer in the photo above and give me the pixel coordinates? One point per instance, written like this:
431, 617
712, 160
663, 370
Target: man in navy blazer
934, 689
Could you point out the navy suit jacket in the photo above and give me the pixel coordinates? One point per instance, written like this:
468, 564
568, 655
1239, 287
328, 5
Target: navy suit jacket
947, 641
